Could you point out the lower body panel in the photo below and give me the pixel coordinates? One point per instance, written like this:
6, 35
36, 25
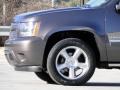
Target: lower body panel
26, 54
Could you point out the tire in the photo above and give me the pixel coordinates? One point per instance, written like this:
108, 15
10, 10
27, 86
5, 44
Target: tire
67, 66
45, 77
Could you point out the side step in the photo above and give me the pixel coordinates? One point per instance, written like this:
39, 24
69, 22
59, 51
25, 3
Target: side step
113, 65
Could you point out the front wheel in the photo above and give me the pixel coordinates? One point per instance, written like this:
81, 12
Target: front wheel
71, 62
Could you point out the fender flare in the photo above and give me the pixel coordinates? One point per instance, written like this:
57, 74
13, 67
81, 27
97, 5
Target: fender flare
99, 41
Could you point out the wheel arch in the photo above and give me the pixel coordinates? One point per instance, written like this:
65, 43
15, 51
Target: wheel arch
75, 32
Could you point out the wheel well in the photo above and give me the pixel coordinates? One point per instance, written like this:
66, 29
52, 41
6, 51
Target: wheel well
86, 36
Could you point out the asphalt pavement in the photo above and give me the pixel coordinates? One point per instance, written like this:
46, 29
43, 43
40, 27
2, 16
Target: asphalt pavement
14, 80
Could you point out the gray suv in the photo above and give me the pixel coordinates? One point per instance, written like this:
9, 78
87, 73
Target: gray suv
64, 46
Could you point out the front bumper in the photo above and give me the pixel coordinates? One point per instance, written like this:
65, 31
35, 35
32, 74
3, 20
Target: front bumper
25, 54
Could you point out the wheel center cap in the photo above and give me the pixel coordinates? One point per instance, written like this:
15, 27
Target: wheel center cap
71, 62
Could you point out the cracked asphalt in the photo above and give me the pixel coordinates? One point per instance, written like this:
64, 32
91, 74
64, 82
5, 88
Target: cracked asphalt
14, 80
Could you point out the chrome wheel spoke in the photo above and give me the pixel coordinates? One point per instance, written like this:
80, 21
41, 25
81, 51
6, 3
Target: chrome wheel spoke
61, 66
65, 54
77, 53
82, 65
71, 73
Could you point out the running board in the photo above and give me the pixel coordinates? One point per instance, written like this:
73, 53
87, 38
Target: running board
114, 65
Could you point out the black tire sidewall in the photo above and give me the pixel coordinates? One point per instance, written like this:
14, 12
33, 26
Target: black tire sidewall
44, 76
52, 59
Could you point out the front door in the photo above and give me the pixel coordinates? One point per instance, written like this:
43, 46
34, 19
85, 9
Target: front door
113, 33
